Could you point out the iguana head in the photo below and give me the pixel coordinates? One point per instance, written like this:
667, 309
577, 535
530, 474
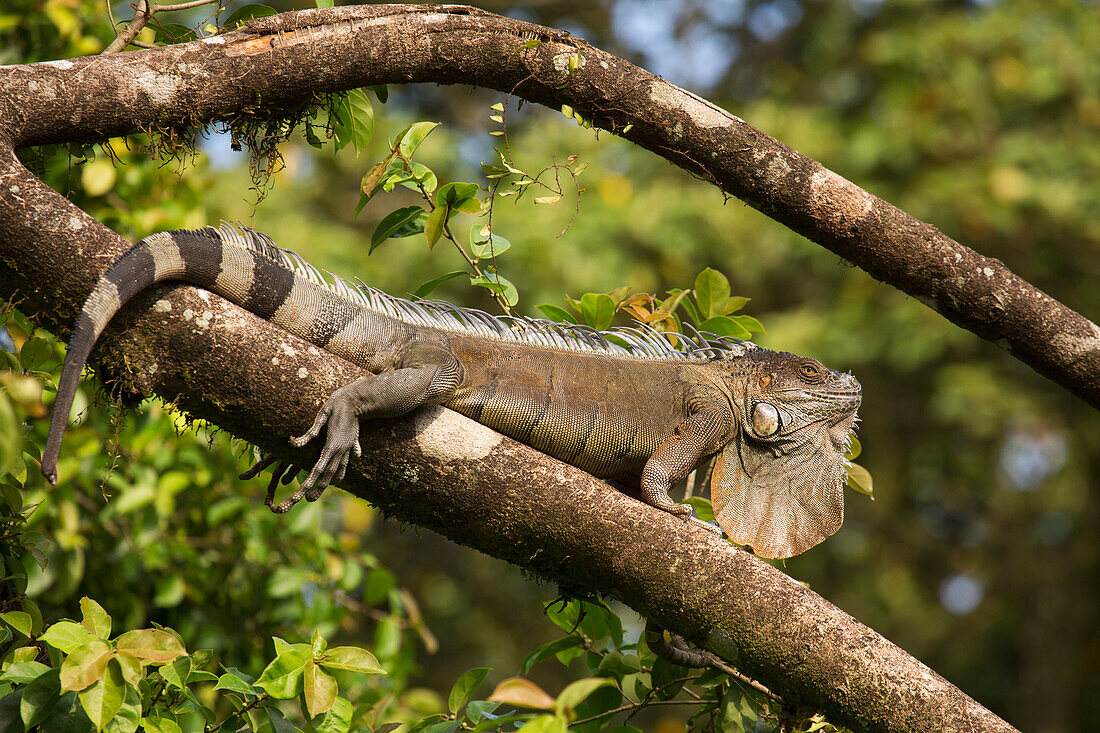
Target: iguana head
778, 485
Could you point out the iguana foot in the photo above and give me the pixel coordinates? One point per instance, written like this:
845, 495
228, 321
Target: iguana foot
285, 472
340, 418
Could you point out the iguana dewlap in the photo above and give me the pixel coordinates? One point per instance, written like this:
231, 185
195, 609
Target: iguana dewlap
645, 415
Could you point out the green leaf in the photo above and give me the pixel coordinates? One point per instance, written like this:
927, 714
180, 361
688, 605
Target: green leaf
151, 645
381, 91
66, 636
464, 686
104, 698
737, 713
725, 326
158, 724
598, 621
18, 620
129, 715
40, 697
84, 665
352, 658
597, 310
174, 33
282, 678
21, 673
556, 314
412, 136
95, 620
233, 682
667, 679
319, 689
354, 120
176, 673
748, 323
413, 176
403, 222
247, 13
485, 244
456, 194
433, 226
618, 665
424, 290
500, 285
712, 289
546, 724
478, 710
576, 692
338, 718
859, 478
549, 649
36, 351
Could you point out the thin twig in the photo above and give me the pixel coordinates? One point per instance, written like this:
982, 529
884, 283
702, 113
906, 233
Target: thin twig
142, 13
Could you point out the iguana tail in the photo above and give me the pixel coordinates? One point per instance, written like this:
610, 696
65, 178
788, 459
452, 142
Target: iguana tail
229, 261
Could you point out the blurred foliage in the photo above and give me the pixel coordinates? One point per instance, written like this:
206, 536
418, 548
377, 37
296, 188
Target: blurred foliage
979, 554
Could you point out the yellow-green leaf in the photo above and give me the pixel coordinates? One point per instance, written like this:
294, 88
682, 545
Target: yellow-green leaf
151, 645
352, 658
103, 699
859, 478
130, 667
18, 620
319, 688
854, 448
84, 665
66, 636
95, 620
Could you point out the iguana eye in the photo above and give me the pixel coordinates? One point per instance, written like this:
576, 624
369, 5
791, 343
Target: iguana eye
809, 371
765, 419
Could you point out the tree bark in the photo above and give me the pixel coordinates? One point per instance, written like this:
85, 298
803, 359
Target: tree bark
436, 468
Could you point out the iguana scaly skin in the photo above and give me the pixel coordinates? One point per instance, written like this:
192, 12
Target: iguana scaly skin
645, 415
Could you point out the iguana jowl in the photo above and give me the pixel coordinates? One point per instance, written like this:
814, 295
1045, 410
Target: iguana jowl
647, 415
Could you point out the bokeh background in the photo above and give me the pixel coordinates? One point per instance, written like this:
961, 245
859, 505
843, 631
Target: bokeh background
979, 553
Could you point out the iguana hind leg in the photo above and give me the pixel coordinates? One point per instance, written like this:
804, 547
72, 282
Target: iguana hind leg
428, 375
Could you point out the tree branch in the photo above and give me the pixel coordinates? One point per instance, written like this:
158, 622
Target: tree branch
286, 59
438, 469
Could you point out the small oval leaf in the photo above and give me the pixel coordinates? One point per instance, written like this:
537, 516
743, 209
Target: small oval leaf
522, 693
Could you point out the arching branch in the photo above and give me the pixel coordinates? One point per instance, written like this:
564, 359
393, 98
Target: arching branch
282, 61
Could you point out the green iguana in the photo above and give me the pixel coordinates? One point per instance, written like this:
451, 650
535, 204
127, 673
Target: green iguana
644, 414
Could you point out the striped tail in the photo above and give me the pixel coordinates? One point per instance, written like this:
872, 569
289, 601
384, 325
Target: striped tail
230, 262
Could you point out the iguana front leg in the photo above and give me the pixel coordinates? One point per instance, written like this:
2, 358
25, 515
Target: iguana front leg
676, 456
428, 375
